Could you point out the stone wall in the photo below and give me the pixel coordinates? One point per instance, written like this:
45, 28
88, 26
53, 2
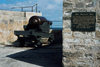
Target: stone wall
10, 21
80, 49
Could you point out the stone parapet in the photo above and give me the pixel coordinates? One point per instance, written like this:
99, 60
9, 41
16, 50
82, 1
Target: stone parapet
11, 21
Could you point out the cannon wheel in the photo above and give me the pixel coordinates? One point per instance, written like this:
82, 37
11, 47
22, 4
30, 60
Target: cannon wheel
38, 44
21, 41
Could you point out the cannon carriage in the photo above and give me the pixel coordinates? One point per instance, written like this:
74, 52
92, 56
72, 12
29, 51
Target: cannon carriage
36, 33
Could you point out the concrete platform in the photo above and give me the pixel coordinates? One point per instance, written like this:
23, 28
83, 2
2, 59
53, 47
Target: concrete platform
50, 56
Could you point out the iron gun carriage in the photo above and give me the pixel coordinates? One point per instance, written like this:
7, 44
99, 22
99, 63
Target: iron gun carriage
36, 33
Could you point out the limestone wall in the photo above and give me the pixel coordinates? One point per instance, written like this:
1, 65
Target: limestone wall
80, 49
10, 21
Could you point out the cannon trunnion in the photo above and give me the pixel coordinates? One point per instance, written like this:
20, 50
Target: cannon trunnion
36, 33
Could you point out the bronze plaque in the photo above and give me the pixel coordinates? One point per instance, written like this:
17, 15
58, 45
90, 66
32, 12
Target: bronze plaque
83, 21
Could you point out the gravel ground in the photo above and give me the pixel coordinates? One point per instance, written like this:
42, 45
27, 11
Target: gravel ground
50, 56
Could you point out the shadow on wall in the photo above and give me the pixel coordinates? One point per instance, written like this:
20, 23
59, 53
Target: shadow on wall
48, 56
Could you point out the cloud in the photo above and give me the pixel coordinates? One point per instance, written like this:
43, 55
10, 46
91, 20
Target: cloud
5, 6
58, 1
50, 6
50, 3
17, 4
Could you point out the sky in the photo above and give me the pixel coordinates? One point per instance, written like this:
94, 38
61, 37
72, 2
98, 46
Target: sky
51, 9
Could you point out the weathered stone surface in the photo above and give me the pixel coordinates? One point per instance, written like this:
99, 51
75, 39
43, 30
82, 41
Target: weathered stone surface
80, 49
84, 65
67, 4
80, 5
67, 24
97, 42
98, 34
66, 17
66, 10
10, 21
72, 55
67, 60
98, 56
69, 65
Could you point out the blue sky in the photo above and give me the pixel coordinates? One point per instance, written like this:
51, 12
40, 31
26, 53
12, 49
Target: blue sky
51, 9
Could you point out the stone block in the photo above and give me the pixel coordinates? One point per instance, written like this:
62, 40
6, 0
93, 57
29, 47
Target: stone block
79, 35
89, 35
73, 55
88, 41
84, 61
83, 65
69, 64
71, 40
67, 4
88, 55
67, 24
80, 47
66, 10
98, 34
98, 56
67, 30
98, 25
68, 14
80, 5
68, 35
67, 47
97, 42
95, 49
84, 35
97, 28
66, 60
93, 35
66, 17
79, 10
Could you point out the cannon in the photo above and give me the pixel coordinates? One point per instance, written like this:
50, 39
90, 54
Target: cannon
36, 33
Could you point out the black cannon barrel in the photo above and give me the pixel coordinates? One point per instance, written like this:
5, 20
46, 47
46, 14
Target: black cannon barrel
35, 21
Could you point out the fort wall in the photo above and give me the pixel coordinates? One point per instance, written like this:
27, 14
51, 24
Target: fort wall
80, 49
10, 21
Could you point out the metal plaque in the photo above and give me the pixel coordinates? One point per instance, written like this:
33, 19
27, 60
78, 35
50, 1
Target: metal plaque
83, 21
